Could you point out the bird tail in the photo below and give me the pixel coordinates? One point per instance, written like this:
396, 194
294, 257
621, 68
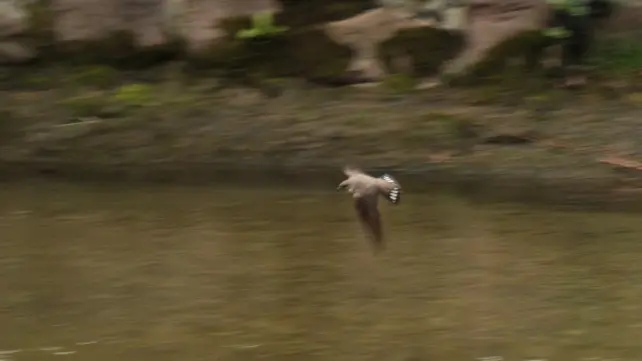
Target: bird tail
394, 194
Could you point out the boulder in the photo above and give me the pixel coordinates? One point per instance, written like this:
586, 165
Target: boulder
364, 33
13, 53
334, 37
90, 20
13, 19
493, 22
420, 52
455, 39
149, 23
625, 19
13, 23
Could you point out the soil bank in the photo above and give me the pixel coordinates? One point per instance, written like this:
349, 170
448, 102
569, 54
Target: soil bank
521, 137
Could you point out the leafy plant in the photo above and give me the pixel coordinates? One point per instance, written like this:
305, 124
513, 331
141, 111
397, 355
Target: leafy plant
262, 26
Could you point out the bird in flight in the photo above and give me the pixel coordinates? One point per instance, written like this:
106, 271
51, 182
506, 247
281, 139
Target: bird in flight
366, 190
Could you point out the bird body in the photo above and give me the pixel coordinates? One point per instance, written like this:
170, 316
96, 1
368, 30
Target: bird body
366, 190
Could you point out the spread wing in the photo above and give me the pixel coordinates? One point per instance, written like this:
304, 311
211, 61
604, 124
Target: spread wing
350, 171
390, 188
370, 220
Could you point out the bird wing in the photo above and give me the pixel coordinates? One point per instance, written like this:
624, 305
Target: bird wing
390, 188
351, 171
370, 219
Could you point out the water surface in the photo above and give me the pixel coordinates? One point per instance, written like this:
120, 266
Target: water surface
223, 273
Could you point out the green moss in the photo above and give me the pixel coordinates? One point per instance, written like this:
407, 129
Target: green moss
228, 53
307, 52
262, 26
524, 45
399, 84
618, 56
314, 55
98, 76
40, 28
117, 49
10, 125
101, 104
233, 25
460, 128
37, 81
635, 99
134, 95
108, 50
86, 105
436, 131
427, 47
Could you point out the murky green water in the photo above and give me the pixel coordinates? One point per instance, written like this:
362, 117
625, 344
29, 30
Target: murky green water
218, 273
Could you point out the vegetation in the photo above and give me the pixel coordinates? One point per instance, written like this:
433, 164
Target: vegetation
134, 95
399, 84
262, 26
85, 105
618, 55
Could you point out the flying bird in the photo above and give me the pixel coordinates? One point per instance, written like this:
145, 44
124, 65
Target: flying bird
366, 190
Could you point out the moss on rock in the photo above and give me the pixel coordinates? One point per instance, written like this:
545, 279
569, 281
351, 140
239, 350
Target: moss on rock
116, 49
314, 55
95, 76
228, 53
427, 47
40, 29
399, 84
306, 52
523, 46
88, 104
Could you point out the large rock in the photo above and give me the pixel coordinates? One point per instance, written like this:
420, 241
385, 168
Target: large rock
484, 24
625, 19
151, 22
13, 52
88, 20
13, 23
13, 19
427, 38
364, 32
491, 22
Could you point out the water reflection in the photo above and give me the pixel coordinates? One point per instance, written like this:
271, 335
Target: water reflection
223, 273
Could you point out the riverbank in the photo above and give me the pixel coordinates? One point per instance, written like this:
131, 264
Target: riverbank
199, 129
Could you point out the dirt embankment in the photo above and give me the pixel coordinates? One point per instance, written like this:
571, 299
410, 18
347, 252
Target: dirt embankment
187, 127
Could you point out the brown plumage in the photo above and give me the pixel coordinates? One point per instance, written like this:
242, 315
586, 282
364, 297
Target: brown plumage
366, 190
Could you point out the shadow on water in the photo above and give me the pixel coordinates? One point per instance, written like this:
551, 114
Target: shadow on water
225, 272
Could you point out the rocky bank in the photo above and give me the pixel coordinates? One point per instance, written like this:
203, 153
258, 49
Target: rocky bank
151, 89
